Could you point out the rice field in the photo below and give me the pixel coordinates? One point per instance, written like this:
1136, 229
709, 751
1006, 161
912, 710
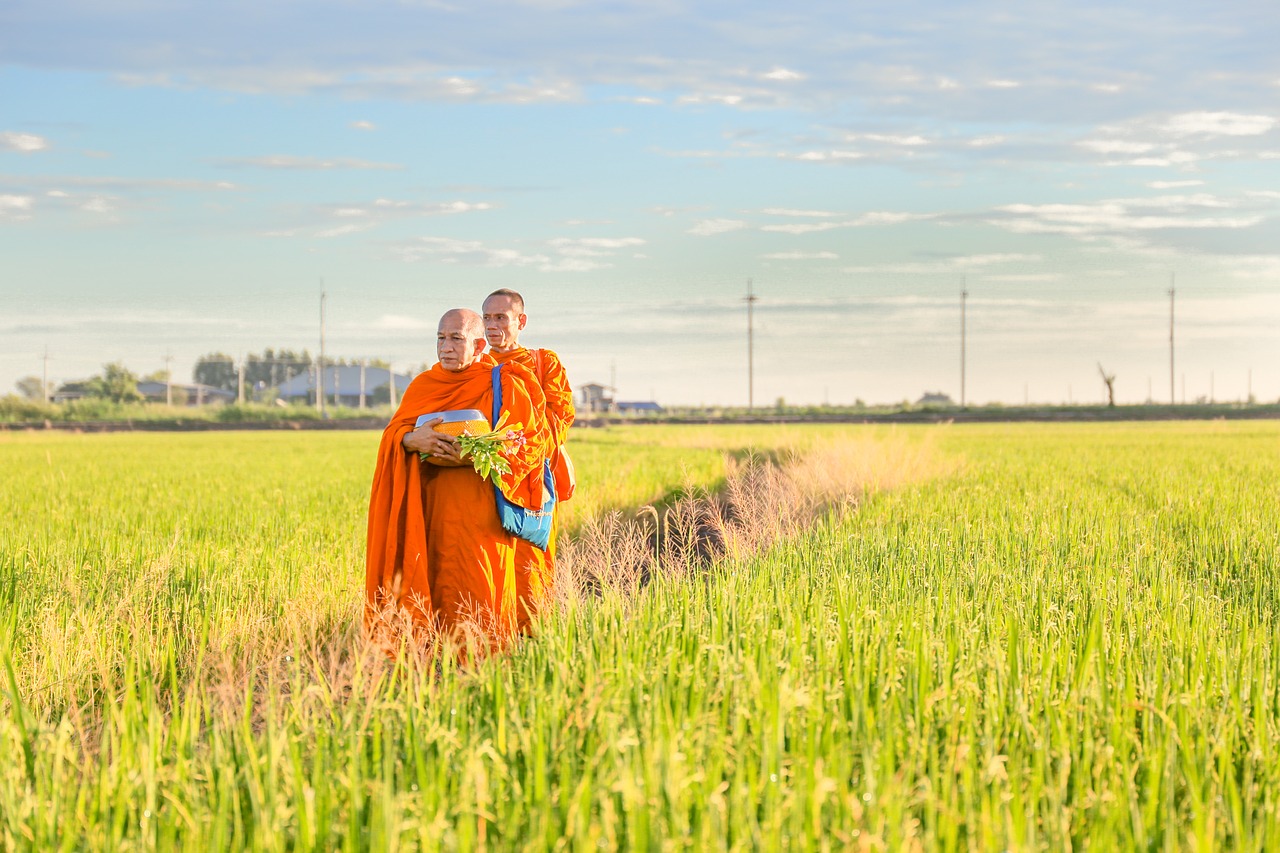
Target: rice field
1046, 637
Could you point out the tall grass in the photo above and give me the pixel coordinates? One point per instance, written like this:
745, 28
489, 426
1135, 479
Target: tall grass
1067, 638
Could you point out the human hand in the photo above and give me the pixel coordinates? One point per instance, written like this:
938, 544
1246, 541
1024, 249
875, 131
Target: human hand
443, 449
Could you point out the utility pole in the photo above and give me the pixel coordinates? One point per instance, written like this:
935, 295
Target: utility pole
1171, 292
240, 382
1211, 400
320, 364
44, 377
964, 296
364, 364
168, 379
613, 384
751, 299
391, 378
1249, 399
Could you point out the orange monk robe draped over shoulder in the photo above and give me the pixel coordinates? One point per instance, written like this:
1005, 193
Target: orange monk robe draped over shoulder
535, 568
435, 547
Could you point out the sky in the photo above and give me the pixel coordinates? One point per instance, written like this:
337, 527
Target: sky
181, 178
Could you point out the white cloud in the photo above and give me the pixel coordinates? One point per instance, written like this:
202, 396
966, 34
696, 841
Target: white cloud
344, 230
1124, 215
290, 162
598, 242
1107, 88
832, 155
363, 125
1003, 84
957, 264
449, 250
1173, 185
708, 227
801, 256
566, 254
1219, 124
726, 100
23, 143
889, 138
785, 74
1116, 146
98, 204
888, 217
803, 227
788, 211
866, 219
16, 207
402, 323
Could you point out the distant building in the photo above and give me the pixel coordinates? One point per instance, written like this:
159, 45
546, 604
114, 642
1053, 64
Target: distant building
636, 407
190, 394
344, 381
593, 398
193, 394
934, 398
69, 392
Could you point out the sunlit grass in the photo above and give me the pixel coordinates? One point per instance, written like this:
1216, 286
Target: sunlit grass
1068, 638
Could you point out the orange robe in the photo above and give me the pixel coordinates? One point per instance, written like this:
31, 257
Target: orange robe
535, 568
435, 547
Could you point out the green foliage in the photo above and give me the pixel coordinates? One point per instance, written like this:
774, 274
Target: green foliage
116, 383
31, 387
217, 370
15, 409
1070, 644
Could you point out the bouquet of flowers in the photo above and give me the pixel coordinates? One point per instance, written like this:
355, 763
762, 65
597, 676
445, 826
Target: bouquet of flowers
488, 451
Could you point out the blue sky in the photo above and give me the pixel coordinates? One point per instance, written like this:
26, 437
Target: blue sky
178, 178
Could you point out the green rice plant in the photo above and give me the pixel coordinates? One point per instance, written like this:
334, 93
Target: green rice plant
1067, 637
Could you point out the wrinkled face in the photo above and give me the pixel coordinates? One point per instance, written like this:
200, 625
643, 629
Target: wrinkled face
458, 343
502, 323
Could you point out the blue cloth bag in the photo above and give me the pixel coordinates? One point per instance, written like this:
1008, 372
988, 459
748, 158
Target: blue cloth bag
531, 525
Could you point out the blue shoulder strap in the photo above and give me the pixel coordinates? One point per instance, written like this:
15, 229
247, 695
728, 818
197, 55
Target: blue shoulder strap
497, 394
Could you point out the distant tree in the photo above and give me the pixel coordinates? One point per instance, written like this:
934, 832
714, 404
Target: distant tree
31, 387
1110, 380
272, 368
117, 384
216, 369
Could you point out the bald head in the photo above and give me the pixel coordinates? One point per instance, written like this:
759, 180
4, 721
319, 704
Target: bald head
504, 318
459, 339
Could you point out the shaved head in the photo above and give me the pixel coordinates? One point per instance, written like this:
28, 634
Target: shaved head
459, 339
517, 301
504, 318
465, 319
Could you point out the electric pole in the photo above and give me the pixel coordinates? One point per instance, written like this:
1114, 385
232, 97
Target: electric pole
364, 364
320, 365
751, 299
44, 378
240, 382
1171, 292
964, 296
168, 379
